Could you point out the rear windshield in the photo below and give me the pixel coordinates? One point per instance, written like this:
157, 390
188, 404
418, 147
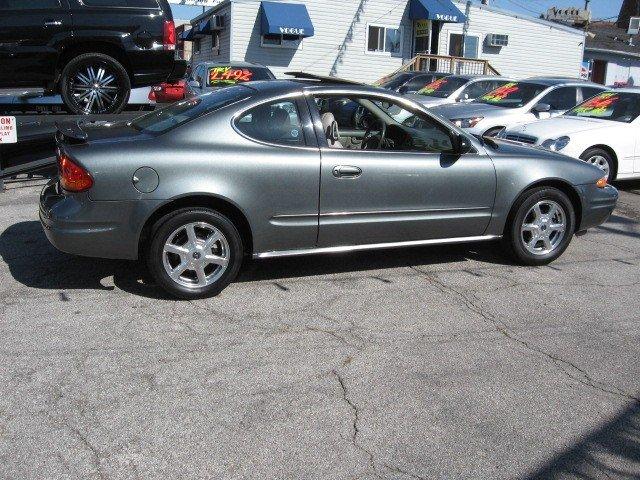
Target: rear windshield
512, 94
226, 76
176, 114
617, 106
443, 87
394, 82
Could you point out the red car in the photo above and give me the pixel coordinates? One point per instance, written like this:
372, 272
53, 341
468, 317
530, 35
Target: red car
168, 92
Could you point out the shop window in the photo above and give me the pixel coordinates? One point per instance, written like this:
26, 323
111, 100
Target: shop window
382, 39
281, 41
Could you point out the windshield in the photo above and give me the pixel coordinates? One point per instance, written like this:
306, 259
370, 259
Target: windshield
443, 87
227, 76
512, 94
168, 118
616, 106
396, 81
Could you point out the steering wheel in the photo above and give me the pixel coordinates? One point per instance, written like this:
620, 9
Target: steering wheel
369, 136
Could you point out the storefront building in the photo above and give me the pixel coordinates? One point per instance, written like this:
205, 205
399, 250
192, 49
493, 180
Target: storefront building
366, 39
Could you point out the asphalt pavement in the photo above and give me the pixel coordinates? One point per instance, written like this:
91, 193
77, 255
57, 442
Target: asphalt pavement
441, 362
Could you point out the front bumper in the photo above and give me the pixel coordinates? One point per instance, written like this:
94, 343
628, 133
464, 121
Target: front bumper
77, 225
597, 205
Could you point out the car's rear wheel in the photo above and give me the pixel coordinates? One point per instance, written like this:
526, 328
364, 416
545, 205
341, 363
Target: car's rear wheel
541, 226
601, 159
194, 253
95, 83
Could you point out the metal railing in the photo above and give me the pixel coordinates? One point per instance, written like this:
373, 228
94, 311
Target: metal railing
447, 64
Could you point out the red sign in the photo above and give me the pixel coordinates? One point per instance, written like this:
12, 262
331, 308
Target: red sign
8, 130
229, 75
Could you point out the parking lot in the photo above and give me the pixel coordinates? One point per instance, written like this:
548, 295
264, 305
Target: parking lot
445, 362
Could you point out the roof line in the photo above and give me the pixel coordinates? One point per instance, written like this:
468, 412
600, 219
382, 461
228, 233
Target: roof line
616, 52
210, 11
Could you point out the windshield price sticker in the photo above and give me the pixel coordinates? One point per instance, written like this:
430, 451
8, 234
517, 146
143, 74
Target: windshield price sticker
433, 86
501, 93
598, 106
229, 75
8, 130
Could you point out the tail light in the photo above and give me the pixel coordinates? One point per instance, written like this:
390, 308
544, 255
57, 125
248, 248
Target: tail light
603, 182
73, 178
169, 37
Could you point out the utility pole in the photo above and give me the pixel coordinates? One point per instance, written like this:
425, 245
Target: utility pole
586, 4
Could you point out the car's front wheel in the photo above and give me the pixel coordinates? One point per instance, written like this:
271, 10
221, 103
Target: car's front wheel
541, 226
601, 159
194, 253
94, 83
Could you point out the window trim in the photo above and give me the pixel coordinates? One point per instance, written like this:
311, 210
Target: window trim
383, 52
463, 39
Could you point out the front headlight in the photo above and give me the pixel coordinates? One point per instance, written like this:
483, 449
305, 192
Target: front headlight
466, 122
556, 144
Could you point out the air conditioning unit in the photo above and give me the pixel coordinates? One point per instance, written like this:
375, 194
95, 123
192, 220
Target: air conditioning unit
634, 26
497, 40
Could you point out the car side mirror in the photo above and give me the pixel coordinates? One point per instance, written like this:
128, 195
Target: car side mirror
194, 84
462, 144
403, 89
542, 108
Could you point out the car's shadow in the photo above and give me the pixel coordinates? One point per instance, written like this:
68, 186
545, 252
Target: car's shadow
33, 262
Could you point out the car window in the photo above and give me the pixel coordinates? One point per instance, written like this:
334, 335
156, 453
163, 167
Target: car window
418, 82
394, 81
223, 76
617, 106
177, 114
475, 89
273, 122
562, 98
28, 4
588, 92
443, 87
512, 94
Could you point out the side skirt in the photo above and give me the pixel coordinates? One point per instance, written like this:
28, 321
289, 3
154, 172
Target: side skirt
374, 246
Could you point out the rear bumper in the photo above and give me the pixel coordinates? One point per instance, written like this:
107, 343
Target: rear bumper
77, 225
597, 205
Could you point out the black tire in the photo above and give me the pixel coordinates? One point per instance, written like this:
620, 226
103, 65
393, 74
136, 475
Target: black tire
167, 226
492, 132
73, 80
514, 238
596, 156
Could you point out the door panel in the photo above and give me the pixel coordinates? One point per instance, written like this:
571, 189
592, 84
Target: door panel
403, 196
29, 35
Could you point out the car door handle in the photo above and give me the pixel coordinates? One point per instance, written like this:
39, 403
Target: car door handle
346, 171
52, 23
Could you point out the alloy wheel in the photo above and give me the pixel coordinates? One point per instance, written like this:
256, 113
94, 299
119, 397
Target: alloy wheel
543, 228
95, 89
196, 255
600, 162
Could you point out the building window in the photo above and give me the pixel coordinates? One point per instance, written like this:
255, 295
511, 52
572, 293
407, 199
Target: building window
215, 42
281, 41
384, 40
196, 46
461, 46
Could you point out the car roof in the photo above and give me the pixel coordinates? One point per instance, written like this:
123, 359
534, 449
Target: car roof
625, 89
283, 87
553, 81
480, 77
232, 64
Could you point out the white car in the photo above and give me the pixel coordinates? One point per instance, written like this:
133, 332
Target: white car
602, 130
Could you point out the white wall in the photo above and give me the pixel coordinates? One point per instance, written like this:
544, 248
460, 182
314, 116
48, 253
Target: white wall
623, 71
338, 46
534, 48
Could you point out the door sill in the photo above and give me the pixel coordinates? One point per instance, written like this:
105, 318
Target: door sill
374, 246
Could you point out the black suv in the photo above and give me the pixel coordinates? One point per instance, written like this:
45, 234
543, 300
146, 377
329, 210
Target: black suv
92, 52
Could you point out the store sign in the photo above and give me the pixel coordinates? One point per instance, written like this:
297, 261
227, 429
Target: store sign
291, 31
422, 28
446, 18
8, 130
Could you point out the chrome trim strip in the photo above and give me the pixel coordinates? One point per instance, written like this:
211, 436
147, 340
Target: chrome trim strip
381, 212
374, 246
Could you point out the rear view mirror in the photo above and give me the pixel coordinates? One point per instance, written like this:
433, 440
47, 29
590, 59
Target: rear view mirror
542, 107
462, 144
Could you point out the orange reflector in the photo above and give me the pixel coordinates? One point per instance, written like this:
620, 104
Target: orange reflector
602, 182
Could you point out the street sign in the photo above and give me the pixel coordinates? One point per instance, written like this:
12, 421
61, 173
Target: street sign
8, 130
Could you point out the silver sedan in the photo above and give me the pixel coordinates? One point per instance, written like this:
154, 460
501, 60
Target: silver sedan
264, 169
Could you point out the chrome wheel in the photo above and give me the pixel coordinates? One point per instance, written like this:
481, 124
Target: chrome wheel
95, 89
196, 255
599, 161
543, 228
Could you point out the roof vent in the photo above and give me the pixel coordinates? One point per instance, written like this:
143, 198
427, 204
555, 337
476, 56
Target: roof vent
634, 26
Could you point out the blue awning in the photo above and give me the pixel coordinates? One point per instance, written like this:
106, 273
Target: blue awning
280, 18
204, 28
188, 34
442, 10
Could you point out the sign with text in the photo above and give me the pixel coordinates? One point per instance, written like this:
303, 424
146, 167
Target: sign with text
8, 130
